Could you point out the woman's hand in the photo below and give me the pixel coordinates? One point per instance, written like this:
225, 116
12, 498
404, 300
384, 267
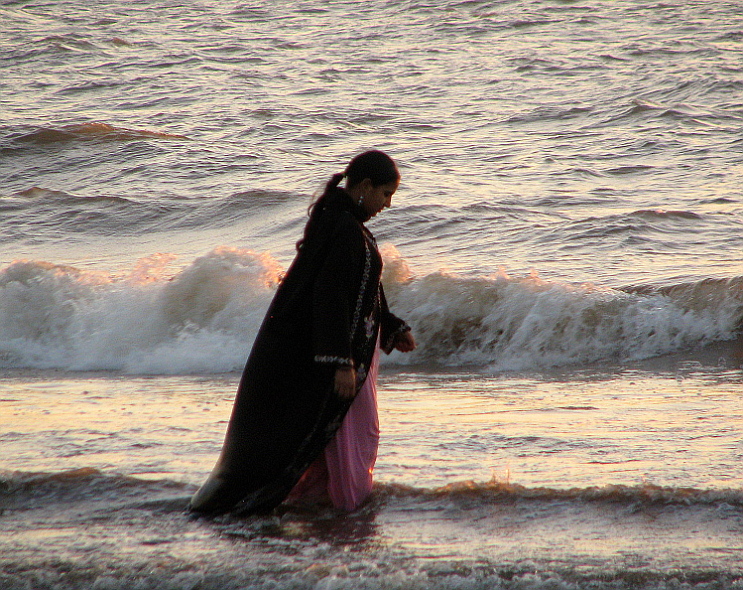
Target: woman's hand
405, 342
345, 382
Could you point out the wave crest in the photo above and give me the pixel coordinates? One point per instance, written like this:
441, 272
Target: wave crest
495, 491
523, 323
90, 131
200, 319
204, 317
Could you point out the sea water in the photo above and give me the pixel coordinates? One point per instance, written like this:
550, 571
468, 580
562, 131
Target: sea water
565, 244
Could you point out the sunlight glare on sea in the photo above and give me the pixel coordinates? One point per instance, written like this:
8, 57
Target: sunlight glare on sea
565, 245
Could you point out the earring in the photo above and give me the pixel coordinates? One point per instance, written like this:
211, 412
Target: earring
361, 200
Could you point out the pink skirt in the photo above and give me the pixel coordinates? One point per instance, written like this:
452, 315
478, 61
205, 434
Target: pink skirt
343, 473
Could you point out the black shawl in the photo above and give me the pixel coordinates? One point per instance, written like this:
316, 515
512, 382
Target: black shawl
327, 312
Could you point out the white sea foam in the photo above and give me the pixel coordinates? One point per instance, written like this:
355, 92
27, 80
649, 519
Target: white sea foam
516, 323
204, 317
201, 319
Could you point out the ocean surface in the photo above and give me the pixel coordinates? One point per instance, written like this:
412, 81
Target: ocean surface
566, 245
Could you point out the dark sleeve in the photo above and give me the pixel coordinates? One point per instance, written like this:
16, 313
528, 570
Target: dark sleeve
390, 325
334, 292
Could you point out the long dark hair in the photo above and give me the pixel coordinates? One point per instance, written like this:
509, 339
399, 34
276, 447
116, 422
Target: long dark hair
375, 165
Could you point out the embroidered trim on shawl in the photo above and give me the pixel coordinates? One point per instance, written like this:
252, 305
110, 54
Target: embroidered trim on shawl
336, 360
362, 289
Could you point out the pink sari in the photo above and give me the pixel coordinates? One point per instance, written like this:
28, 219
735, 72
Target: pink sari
343, 473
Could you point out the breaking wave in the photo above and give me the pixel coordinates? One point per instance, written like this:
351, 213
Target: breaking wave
204, 317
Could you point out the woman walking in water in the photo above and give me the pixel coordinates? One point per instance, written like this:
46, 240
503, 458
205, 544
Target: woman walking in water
304, 424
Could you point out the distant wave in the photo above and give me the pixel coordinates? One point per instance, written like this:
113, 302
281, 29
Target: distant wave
81, 132
204, 317
46, 213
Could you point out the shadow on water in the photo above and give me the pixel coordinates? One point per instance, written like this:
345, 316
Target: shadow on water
290, 528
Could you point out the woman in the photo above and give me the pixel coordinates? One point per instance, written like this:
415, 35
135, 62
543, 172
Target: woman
314, 358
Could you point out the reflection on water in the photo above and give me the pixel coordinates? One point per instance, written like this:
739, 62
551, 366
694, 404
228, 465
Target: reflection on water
588, 427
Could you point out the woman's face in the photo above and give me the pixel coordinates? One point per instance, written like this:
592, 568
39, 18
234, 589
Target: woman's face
377, 198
